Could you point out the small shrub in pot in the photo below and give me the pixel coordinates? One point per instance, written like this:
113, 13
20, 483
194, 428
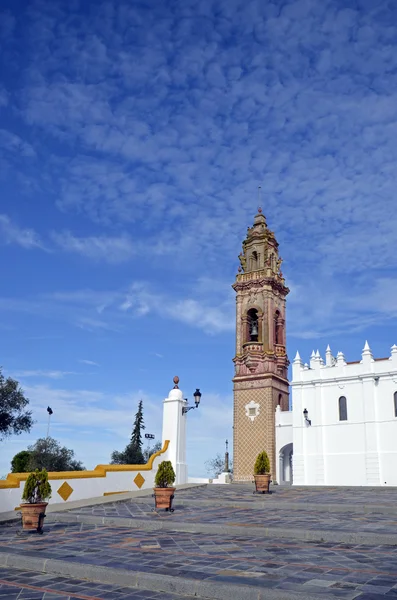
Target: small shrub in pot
164, 479
165, 475
262, 474
35, 493
262, 464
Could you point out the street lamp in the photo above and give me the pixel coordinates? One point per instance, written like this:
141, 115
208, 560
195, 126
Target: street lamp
305, 415
197, 398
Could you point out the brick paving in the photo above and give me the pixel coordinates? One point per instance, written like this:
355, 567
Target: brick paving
16, 584
326, 570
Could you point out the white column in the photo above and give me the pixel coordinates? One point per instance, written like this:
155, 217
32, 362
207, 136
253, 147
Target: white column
174, 430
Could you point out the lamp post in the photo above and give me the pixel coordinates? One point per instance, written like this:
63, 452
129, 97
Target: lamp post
197, 398
174, 429
227, 470
50, 411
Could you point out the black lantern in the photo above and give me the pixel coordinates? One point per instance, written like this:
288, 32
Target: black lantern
305, 414
197, 398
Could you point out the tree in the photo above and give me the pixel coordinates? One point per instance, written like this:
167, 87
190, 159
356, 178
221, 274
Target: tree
215, 466
20, 462
136, 437
147, 453
14, 419
132, 455
48, 454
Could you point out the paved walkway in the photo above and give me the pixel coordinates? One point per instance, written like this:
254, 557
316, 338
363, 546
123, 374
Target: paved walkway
347, 496
344, 521
16, 584
211, 564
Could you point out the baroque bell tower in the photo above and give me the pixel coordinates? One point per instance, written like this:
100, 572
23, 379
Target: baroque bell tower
261, 362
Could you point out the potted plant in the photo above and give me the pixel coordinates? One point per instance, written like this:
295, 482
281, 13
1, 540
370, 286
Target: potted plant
163, 492
262, 473
36, 491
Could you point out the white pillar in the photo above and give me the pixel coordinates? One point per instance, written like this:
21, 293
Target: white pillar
174, 430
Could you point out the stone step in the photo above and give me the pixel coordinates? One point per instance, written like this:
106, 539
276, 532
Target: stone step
25, 584
166, 584
268, 503
244, 530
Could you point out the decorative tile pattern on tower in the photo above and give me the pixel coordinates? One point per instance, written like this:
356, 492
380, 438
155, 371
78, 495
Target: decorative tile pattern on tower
261, 361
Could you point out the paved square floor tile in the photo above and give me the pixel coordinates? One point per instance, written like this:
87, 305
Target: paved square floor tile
328, 569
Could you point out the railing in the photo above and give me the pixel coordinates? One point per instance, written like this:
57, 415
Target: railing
253, 346
279, 350
252, 275
259, 274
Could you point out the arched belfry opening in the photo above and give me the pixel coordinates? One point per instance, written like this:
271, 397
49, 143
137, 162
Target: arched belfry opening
254, 261
253, 325
278, 328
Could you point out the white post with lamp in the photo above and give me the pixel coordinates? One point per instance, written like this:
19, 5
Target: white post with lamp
175, 409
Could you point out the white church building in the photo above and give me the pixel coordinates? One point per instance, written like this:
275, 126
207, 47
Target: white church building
342, 429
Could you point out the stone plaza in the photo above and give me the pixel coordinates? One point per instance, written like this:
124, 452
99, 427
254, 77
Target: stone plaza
222, 542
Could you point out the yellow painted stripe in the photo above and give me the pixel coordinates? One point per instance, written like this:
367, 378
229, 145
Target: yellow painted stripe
112, 493
14, 479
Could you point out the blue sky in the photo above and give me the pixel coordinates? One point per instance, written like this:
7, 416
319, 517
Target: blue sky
133, 137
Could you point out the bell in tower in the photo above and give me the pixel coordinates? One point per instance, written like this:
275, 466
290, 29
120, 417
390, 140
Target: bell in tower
261, 362
253, 325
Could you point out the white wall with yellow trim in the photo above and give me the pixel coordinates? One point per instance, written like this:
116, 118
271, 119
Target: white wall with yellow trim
80, 485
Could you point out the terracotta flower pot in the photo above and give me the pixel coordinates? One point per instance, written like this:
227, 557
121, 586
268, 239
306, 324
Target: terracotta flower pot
262, 483
164, 497
33, 516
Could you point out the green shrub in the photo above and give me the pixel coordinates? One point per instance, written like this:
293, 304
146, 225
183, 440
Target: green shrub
262, 464
20, 462
165, 475
37, 488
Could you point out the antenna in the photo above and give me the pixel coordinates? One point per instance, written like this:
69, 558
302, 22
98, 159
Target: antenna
259, 198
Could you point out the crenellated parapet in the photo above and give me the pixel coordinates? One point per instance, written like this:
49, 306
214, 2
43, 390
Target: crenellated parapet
333, 367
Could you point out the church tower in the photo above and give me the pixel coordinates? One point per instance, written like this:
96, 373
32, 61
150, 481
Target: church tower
261, 362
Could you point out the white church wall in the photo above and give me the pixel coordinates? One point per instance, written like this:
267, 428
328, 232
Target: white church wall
69, 486
114, 479
359, 451
283, 422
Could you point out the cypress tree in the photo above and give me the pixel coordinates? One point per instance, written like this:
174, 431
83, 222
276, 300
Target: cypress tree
132, 454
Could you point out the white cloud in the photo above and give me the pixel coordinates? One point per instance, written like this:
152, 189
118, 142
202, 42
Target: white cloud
170, 134
9, 142
43, 374
91, 324
110, 249
3, 97
10, 233
212, 309
91, 363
